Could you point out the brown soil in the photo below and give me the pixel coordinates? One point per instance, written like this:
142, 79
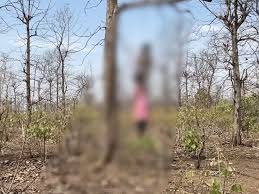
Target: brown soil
73, 174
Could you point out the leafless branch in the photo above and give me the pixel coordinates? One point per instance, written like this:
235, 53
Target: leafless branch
89, 6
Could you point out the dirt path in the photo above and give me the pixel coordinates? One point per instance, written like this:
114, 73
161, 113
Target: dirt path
248, 174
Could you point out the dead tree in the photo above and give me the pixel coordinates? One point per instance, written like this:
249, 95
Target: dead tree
49, 71
61, 27
234, 15
30, 14
68, 38
203, 73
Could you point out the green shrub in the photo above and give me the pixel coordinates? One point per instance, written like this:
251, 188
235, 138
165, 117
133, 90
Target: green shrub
191, 139
220, 186
217, 119
250, 107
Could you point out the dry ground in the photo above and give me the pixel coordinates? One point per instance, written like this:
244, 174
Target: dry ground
68, 173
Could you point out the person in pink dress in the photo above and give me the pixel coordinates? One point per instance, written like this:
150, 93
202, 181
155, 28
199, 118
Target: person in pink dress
141, 110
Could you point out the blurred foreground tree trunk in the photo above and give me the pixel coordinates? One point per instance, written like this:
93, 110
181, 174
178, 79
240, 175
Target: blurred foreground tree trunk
110, 80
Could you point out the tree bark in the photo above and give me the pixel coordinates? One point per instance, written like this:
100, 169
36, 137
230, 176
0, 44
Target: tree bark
237, 125
28, 72
63, 89
57, 90
50, 94
111, 81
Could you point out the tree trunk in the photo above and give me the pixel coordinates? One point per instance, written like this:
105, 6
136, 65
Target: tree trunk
111, 81
39, 95
57, 91
63, 86
50, 95
15, 99
28, 73
44, 147
186, 90
237, 125
179, 91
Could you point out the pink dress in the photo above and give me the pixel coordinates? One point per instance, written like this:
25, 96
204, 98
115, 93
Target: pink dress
140, 105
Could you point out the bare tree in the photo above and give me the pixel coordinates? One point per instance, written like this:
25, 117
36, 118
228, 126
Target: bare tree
203, 69
30, 15
49, 71
68, 38
83, 85
62, 26
234, 14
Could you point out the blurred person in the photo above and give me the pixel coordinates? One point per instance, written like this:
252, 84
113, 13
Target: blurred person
141, 109
141, 106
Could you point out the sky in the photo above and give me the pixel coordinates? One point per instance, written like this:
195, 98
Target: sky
157, 26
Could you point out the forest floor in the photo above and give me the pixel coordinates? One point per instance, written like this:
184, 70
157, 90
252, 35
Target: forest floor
74, 174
